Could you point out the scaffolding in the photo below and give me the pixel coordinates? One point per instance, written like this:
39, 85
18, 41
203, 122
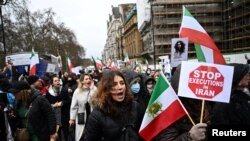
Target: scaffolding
236, 25
167, 15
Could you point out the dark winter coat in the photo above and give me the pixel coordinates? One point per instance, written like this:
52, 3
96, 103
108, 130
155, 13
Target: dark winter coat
42, 117
64, 97
237, 112
62, 113
176, 132
101, 126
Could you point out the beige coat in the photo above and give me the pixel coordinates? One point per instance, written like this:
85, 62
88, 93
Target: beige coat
80, 97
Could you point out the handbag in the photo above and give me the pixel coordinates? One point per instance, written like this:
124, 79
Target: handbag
22, 134
80, 118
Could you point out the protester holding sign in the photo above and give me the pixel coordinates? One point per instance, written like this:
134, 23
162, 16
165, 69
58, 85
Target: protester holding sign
183, 129
237, 112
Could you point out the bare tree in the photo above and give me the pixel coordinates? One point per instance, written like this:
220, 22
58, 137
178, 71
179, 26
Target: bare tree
25, 30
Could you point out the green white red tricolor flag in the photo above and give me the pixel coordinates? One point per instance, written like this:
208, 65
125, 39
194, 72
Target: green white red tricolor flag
205, 47
33, 62
164, 108
70, 65
99, 63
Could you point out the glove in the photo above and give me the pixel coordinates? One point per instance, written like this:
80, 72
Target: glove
198, 132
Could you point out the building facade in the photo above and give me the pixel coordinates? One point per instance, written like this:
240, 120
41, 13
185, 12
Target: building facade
236, 26
159, 21
226, 21
144, 26
110, 51
167, 16
132, 36
124, 9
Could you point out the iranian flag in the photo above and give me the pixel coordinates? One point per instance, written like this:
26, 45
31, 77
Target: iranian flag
70, 65
99, 63
33, 62
205, 47
113, 66
164, 108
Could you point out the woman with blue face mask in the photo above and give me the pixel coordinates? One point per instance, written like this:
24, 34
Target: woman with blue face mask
135, 81
135, 87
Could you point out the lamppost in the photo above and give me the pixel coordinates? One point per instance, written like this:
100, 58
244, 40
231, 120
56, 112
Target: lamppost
3, 2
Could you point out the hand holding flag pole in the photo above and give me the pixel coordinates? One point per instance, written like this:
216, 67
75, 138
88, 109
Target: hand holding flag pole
206, 49
164, 109
202, 110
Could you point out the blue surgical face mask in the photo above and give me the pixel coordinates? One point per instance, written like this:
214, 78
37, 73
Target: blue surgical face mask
135, 88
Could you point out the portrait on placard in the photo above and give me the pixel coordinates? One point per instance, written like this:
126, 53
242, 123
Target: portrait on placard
179, 51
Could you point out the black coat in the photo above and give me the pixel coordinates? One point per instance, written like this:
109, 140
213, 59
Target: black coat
237, 112
67, 97
42, 117
64, 97
176, 132
101, 126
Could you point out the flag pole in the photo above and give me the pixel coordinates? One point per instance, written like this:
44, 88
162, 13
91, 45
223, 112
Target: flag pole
189, 117
202, 110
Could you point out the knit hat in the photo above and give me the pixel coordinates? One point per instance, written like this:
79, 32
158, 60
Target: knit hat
240, 70
20, 85
32, 79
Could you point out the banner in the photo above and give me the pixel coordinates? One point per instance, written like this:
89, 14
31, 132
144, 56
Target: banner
179, 51
21, 59
206, 81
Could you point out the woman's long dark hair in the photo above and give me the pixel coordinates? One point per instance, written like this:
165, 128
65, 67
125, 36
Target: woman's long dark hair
103, 99
180, 50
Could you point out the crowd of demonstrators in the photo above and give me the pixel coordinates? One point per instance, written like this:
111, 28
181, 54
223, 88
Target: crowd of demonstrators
78, 111
34, 110
117, 106
56, 93
115, 110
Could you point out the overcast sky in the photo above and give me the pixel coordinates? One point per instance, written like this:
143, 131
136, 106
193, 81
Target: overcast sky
87, 18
